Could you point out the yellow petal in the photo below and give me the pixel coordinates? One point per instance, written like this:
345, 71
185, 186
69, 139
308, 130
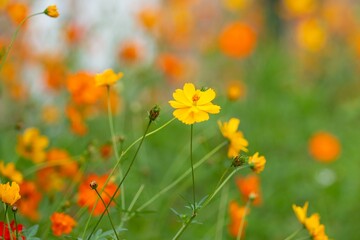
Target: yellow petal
189, 91
207, 97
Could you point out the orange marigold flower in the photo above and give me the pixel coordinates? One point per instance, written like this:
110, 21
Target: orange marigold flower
235, 90
250, 185
257, 163
237, 40
30, 199
52, 11
130, 51
88, 197
61, 223
31, 145
17, 11
107, 77
237, 213
171, 65
10, 193
237, 141
193, 105
324, 147
10, 172
82, 88
301, 212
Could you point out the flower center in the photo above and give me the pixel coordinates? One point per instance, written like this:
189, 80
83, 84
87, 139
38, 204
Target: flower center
195, 98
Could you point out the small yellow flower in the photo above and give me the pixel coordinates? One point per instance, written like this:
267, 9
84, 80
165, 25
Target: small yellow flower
257, 163
31, 145
193, 105
10, 172
108, 77
52, 11
301, 212
10, 194
237, 141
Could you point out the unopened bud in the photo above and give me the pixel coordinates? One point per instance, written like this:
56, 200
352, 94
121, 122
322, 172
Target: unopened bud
93, 184
154, 113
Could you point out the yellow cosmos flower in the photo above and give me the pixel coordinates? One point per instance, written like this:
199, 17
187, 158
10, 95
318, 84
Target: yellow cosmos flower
31, 145
301, 212
10, 194
108, 77
193, 105
237, 141
311, 35
10, 172
52, 11
257, 163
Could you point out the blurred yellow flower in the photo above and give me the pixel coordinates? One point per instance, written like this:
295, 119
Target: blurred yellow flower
237, 141
311, 35
10, 193
257, 163
235, 5
10, 172
299, 7
235, 90
52, 11
108, 77
31, 145
193, 105
301, 212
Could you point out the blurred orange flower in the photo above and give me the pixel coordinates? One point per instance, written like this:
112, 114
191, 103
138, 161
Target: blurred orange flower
324, 147
82, 88
193, 105
171, 65
130, 52
17, 11
106, 151
60, 168
148, 18
31, 145
248, 185
237, 141
88, 197
29, 202
10, 172
50, 114
61, 223
235, 90
10, 193
77, 123
237, 39
237, 213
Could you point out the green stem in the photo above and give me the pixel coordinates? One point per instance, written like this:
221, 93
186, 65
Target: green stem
113, 137
184, 226
107, 211
192, 170
16, 231
122, 180
294, 234
8, 221
137, 195
221, 215
241, 228
7, 51
184, 175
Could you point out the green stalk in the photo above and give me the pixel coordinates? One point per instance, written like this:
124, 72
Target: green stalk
221, 215
16, 231
192, 170
107, 211
7, 51
122, 180
294, 234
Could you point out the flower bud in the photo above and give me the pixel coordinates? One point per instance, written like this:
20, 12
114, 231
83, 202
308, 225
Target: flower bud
154, 113
93, 184
52, 11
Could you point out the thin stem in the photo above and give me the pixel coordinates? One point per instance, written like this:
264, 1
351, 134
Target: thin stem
184, 226
221, 215
107, 211
184, 175
113, 137
8, 221
137, 195
241, 228
192, 170
16, 226
122, 180
6, 207
294, 234
7, 51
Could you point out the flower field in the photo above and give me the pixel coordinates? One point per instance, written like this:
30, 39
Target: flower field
179, 119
